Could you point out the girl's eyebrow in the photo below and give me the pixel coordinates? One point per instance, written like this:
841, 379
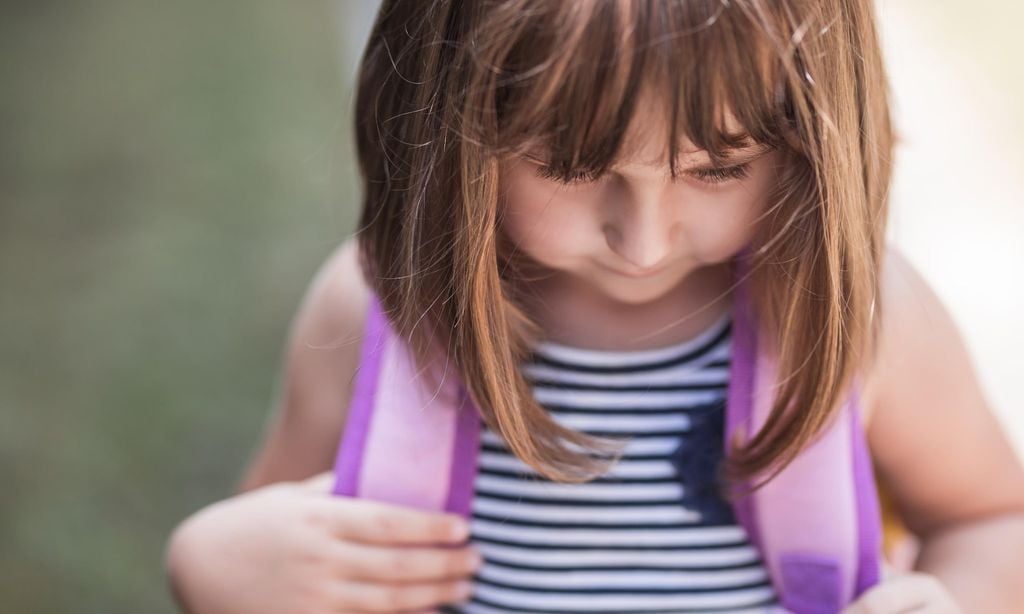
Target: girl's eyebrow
743, 153
747, 154
733, 157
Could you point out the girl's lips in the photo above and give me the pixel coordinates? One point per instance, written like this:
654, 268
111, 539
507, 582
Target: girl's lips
639, 273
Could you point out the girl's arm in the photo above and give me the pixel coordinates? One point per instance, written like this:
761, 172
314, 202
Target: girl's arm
292, 547
319, 366
955, 477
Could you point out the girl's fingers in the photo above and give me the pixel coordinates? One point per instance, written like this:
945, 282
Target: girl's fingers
389, 597
910, 592
890, 596
888, 570
374, 522
413, 611
403, 564
321, 482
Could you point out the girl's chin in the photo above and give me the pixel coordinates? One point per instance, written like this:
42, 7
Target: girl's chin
607, 285
636, 291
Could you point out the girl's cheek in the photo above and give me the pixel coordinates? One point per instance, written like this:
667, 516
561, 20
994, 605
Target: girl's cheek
551, 232
716, 229
551, 225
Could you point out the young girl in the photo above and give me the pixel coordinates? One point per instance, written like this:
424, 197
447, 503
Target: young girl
556, 199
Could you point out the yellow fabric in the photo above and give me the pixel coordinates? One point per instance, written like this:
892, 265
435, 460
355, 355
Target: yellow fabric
893, 529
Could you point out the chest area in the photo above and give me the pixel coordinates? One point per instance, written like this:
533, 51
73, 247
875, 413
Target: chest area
652, 531
666, 408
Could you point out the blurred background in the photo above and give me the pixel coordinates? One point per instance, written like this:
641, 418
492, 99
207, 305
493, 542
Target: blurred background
171, 175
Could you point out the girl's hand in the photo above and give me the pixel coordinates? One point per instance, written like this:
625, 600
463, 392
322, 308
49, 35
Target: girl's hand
294, 547
899, 592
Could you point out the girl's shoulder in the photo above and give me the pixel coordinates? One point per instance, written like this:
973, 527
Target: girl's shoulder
929, 425
917, 333
321, 357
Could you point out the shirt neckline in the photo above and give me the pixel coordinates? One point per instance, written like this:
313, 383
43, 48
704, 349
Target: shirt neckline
579, 354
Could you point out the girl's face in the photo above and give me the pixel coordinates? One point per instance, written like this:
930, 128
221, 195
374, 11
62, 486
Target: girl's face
633, 234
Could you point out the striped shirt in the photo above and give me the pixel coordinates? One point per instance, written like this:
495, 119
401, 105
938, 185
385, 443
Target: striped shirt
652, 534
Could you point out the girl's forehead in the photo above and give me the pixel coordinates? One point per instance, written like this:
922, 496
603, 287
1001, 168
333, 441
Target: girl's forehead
646, 140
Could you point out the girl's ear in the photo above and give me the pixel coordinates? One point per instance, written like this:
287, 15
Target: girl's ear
790, 131
792, 138
786, 118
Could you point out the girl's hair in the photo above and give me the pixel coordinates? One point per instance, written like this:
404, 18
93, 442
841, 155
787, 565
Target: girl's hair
447, 88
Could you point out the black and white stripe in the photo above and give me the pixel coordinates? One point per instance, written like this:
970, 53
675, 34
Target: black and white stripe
633, 540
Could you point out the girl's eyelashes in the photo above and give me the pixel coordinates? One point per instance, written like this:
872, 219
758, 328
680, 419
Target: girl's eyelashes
710, 175
723, 174
574, 177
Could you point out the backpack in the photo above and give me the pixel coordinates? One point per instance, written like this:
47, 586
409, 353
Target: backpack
816, 525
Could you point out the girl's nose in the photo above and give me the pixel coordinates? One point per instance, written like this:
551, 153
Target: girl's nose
644, 237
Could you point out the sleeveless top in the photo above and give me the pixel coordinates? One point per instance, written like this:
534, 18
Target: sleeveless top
651, 535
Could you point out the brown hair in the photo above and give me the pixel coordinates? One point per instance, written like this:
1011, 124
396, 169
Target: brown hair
446, 89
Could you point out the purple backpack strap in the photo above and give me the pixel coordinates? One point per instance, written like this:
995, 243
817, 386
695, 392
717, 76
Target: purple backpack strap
869, 515
817, 523
404, 444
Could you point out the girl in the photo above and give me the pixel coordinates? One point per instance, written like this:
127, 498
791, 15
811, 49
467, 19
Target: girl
556, 197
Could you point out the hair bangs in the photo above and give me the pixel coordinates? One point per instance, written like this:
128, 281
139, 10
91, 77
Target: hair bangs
574, 76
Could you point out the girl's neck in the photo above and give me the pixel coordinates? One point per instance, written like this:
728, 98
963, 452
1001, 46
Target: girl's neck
575, 314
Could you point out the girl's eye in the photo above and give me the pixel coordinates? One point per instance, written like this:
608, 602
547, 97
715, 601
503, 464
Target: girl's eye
723, 174
575, 177
711, 175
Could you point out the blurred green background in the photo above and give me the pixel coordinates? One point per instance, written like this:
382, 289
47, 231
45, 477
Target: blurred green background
171, 175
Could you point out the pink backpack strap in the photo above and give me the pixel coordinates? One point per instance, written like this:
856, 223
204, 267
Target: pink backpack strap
402, 443
816, 524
